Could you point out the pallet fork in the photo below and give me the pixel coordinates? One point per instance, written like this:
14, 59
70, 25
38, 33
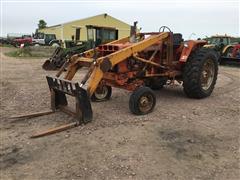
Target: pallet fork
58, 89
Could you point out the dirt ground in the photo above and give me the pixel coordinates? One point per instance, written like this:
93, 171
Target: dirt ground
181, 139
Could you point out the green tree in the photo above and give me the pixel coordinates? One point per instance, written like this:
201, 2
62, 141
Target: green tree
42, 24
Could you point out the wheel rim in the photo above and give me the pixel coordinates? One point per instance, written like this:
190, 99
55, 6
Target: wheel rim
145, 103
207, 75
101, 93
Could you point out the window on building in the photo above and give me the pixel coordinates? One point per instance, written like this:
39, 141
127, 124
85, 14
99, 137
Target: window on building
91, 33
77, 35
101, 35
109, 34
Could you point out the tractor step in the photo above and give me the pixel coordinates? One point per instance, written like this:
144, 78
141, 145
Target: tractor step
59, 88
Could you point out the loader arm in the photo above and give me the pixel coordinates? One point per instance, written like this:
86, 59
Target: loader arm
90, 53
105, 63
76, 62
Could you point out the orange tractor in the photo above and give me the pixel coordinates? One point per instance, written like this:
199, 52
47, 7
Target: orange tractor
140, 63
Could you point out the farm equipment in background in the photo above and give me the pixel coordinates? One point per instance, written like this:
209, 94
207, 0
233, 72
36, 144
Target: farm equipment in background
42, 39
37, 39
139, 63
25, 39
95, 36
231, 55
16, 40
224, 45
4, 41
60, 55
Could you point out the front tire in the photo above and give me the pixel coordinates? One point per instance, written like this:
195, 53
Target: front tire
142, 101
102, 93
200, 73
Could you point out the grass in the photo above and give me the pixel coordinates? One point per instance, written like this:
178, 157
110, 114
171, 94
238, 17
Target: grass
26, 53
7, 45
15, 54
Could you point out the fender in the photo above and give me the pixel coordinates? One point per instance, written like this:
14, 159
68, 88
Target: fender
190, 46
226, 47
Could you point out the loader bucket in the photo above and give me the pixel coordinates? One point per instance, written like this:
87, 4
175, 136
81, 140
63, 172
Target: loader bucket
59, 88
55, 61
48, 65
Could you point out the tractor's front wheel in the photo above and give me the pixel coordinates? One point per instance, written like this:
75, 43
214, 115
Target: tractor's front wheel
142, 101
102, 93
200, 73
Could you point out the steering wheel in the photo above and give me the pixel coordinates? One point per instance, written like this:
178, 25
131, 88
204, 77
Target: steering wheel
162, 29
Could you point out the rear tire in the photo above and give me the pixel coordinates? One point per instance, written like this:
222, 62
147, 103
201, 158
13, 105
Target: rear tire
142, 101
102, 94
200, 73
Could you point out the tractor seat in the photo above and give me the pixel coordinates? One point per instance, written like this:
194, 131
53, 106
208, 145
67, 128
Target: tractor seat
177, 39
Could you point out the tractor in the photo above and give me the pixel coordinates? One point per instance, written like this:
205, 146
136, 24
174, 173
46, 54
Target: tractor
140, 63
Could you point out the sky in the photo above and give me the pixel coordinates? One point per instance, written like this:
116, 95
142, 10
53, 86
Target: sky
192, 18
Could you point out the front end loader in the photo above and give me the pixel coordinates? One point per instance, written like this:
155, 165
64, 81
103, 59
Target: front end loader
140, 63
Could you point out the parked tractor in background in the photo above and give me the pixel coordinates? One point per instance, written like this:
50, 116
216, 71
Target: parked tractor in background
95, 36
224, 45
231, 55
60, 55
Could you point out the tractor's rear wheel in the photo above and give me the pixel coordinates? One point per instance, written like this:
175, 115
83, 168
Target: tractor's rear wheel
142, 101
102, 93
200, 73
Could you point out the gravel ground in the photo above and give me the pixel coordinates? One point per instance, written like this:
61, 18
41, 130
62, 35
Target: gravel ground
181, 139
